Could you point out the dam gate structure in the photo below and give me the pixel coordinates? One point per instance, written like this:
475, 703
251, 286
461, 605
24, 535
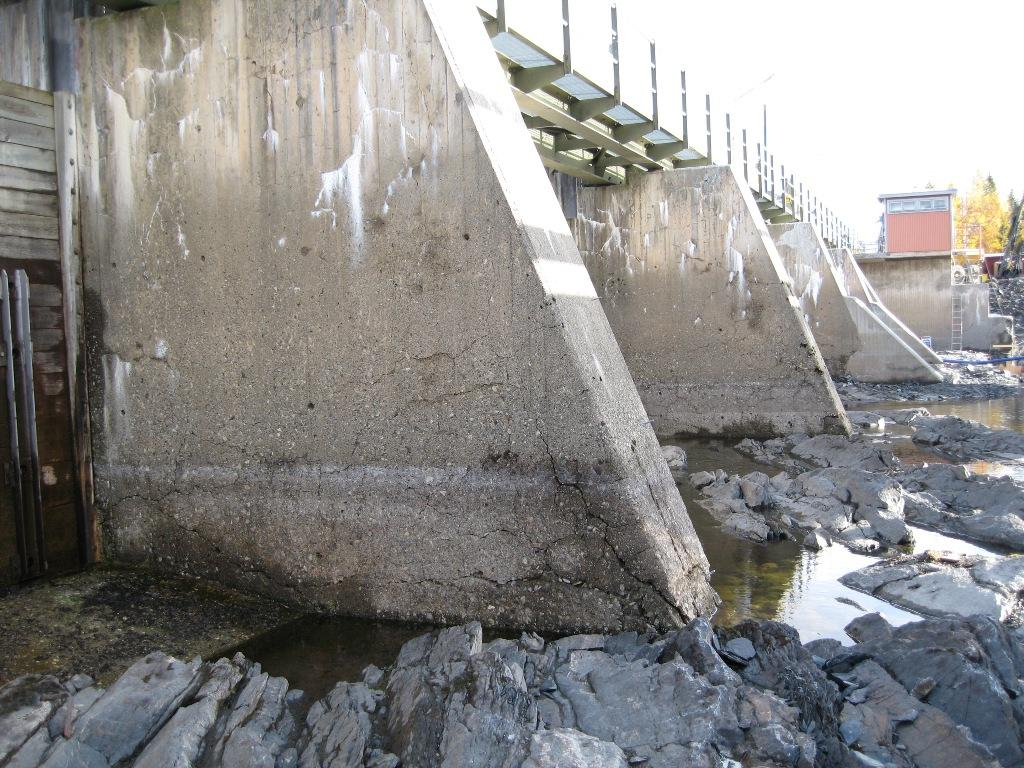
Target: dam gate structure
329, 334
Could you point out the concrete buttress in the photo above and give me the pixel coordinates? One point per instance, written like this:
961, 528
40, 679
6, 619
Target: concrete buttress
853, 340
344, 350
702, 307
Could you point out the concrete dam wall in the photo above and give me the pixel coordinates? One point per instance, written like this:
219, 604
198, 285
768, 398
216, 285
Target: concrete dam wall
343, 348
702, 307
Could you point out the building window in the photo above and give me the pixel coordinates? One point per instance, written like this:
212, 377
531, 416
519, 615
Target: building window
917, 204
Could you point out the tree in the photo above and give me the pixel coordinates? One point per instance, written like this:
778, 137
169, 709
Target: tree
981, 217
1008, 226
1014, 234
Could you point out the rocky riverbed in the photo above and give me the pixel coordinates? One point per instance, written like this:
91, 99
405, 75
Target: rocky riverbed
976, 381
933, 694
857, 493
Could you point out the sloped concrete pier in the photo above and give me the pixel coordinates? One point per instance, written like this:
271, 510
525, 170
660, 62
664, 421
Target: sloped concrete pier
344, 348
702, 307
853, 339
856, 285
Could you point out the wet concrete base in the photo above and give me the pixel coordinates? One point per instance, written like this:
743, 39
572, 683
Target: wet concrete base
100, 621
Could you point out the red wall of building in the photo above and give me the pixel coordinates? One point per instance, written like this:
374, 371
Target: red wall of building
919, 232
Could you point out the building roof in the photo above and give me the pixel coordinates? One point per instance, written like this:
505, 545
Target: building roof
919, 193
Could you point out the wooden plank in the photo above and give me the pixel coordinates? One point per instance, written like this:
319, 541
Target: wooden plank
28, 248
26, 111
36, 203
27, 180
66, 133
27, 225
23, 92
28, 134
33, 158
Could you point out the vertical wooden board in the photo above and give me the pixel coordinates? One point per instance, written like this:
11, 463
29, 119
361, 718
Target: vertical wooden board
67, 162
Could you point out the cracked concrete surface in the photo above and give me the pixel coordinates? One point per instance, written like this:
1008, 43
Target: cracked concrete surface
343, 347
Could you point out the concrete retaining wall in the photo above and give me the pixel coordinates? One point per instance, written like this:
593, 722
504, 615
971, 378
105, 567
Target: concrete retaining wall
854, 340
700, 304
344, 350
982, 330
916, 290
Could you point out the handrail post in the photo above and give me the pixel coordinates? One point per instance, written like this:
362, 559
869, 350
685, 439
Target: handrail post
615, 54
686, 124
566, 41
728, 138
654, 84
760, 171
707, 114
746, 170
782, 175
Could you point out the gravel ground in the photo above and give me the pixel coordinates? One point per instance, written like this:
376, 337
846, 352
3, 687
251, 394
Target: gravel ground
99, 621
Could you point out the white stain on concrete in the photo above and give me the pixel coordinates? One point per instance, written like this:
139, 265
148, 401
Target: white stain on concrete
734, 261
343, 184
183, 243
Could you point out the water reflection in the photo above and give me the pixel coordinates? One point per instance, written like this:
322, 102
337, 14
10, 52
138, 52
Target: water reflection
1000, 412
781, 580
315, 652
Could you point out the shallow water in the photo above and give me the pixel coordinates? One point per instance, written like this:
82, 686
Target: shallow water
781, 580
315, 652
1000, 412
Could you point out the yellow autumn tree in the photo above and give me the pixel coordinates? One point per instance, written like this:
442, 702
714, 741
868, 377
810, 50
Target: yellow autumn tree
981, 217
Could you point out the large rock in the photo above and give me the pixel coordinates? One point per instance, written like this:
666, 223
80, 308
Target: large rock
589, 701
935, 584
952, 499
970, 670
932, 694
860, 509
848, 452
968, 439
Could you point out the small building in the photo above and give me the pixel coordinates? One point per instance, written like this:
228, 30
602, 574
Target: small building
918, 224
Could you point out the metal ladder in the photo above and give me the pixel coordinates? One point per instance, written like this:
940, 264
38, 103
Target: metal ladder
957, 340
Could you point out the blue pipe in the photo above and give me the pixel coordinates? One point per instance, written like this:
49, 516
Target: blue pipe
983, 362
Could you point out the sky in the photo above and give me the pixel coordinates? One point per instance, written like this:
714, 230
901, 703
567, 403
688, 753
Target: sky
863, 97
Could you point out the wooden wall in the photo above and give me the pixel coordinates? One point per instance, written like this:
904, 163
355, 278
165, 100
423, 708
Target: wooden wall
36, 234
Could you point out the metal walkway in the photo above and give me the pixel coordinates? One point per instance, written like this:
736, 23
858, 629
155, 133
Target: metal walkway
597, 102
